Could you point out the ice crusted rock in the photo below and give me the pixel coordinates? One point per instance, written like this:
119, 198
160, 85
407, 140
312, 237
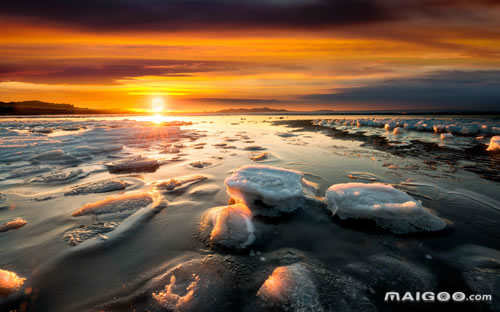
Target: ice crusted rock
13, 224
480, 267
135, 164
103, 186
494, 145
200, 164
195, 285
54, 156
254, 148
10, 283
26, 171
259, 156
228, 226
179, 184
114, 216
390, 208
290, 288
60, 176
266, 190
118, 203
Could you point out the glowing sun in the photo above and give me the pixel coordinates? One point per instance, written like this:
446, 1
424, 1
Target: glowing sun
157, 105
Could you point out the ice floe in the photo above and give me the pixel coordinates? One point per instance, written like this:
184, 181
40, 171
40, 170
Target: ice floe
254, 148
179, 184
10, 283
390, 208
62, 176
113, 217
12, 224
103, 186
118, 203
290, 288
367, 176
134, 164
266, 190
54, 156
194, 285
463, 126
494, 145
259, 156
228, 226
200, 164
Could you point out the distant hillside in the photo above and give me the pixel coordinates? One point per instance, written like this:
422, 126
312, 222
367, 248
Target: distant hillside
43, 108
251, 110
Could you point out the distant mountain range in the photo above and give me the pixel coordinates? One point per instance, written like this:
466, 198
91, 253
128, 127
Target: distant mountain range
251, 110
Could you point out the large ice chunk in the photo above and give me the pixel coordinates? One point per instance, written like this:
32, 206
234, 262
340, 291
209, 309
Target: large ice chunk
135, 164
195, 285
62, 176
390, 208
266, 190
10, 282
13, 224
118, 203
102, 186
228, 226
290, 288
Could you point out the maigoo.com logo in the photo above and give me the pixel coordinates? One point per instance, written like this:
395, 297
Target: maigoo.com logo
430, 296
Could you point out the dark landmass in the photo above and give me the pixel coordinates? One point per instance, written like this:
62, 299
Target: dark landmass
45, 108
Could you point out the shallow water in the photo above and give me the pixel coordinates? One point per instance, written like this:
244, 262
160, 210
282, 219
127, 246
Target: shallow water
43, 159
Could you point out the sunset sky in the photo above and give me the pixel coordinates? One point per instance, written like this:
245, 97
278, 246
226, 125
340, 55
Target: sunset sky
206, 55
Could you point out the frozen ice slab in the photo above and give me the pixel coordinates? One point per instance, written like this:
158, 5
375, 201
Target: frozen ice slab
290, 288
10, 283
228, 226
266, 190
194, 285
390, 208
13, 224
135, 164
118, 203
494, 145
103, 186
54, 156
59, 176
113, 218
179, 184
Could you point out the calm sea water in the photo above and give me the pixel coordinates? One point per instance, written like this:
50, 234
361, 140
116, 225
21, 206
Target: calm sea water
42, 159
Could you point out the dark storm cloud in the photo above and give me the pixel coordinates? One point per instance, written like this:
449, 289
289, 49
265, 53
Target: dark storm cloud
105, 70
120, 15
448, 90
